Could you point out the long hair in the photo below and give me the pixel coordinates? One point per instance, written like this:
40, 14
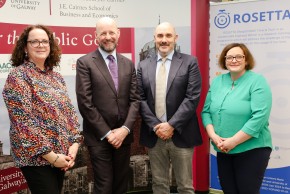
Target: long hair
19, 57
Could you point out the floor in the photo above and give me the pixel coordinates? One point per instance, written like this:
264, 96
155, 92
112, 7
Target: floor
175, 192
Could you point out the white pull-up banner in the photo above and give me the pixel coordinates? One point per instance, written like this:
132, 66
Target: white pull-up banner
264, 26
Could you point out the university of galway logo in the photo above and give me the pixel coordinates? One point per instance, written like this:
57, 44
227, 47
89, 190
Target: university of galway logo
2, 2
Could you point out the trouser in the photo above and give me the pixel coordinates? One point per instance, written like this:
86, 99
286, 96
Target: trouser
43, 179
161, 155
111, 168
243, 173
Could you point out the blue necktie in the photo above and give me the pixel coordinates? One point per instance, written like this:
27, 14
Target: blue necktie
113, 70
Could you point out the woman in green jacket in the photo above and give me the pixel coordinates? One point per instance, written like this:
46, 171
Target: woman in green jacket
236, 117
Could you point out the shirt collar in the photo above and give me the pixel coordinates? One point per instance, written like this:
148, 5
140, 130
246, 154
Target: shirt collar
106, 54
240, 79
169, 56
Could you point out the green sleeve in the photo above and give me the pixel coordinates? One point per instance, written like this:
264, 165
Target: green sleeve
205, 114
261, 102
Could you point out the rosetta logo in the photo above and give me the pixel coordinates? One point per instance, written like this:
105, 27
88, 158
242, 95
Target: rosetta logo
2, 2
222, 20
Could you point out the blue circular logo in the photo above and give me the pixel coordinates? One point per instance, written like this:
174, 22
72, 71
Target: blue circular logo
222, 20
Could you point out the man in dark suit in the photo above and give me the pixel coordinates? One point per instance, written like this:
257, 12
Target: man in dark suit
107, 98
169, 85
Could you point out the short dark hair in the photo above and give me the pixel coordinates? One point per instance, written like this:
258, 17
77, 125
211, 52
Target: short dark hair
18, 55
248, 56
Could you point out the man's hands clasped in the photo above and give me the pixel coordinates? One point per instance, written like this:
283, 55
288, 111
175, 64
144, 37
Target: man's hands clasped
117, 136
164, 130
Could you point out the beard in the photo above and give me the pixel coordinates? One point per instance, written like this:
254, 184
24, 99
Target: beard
108, 49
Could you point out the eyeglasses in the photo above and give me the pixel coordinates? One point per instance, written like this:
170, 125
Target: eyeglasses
238, 58
36, 43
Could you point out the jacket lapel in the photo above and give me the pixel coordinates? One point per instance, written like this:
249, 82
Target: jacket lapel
121, 71
175, 65
152, 74
101, 65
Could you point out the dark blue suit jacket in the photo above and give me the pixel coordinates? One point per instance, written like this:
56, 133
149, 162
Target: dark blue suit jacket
183, 93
